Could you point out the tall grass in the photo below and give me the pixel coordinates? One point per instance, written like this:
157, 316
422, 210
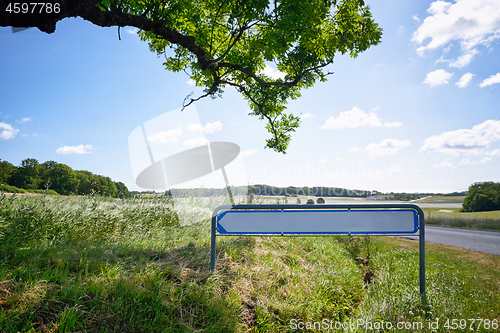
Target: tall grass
93, 264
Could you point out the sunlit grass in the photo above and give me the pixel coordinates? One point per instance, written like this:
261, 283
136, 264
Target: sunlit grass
92, 264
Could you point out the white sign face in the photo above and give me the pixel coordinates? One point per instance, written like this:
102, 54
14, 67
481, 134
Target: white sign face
399, 221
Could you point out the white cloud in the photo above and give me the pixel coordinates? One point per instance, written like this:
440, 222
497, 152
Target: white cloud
495, 152
212, 127
494, 79
199, 141
437, 77
464, 141
444, 164
393, 124
470, 22
7, 131
461, 62
131, 30
306, 115
191, 82
208, 128
80, 149
466, 162
465, 80
250, 152
485, 159
166, 136
415, 17
273, 73
323, 161
386, 147
24, 120
356, 118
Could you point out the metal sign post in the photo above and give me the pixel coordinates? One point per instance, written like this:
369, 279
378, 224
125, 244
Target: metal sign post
321, 220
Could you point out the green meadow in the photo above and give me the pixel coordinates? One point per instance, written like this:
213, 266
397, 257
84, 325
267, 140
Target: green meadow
94, 264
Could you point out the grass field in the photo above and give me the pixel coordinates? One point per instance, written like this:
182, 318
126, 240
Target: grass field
91, 264
452, 217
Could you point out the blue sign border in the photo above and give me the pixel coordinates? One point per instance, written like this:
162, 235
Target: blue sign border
223, 231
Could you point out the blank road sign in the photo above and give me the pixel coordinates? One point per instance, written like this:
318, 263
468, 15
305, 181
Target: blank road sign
400, 221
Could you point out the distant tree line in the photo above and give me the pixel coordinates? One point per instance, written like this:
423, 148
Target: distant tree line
268, 190
289, 191
482, 197
31, 175
313, 191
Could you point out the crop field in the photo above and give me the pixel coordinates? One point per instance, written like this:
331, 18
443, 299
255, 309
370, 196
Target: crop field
93, 264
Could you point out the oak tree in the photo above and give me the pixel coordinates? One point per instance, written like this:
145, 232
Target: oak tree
228, 43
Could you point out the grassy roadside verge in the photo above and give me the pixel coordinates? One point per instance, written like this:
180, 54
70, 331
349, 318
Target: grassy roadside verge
104, 265
452, 217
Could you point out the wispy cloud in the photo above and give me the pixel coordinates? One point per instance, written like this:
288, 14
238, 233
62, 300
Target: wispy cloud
306, 115
383, 148
465, 80
386, 147
437, 77
464, 141
337, 156
495, 152
80, 149
356, 118
494, 79
273, 73
461, 61
208, 128
466, 161
131, 30
191, 82
444, 164
172, 135
393, 124
355, 150
7, 131
24, 120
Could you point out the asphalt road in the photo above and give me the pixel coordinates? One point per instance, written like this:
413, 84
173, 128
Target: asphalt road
481, 241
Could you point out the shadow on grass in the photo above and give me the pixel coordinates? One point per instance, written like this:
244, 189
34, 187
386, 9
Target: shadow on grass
113, 288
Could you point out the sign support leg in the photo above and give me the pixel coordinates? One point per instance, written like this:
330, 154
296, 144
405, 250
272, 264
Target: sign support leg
212, 245
422, 257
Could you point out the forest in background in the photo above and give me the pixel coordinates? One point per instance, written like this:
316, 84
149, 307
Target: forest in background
57, 178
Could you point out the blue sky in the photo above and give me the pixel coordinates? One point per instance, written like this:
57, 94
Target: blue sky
419, 112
